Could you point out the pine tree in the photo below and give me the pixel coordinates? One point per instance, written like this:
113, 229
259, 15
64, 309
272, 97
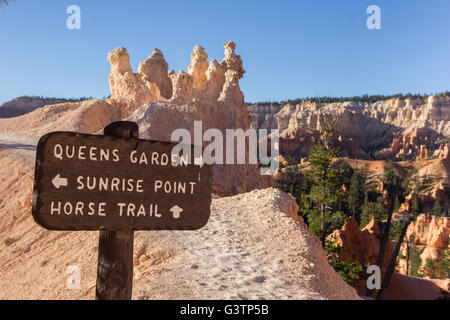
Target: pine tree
366, 197
369, 210
415, 210
291, 181
357, 194
326, 191
440, 268
292, 190
395, 231
390, 180
414, 261
417, 184
396, 204
437, 209
430, 269
443, 265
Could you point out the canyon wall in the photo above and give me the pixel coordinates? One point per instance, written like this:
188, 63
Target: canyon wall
391, 127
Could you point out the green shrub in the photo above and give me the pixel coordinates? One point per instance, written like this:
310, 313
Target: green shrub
350, 271
9, 241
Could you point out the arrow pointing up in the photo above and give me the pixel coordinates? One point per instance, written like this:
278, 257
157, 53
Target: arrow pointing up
59, 182
176, 210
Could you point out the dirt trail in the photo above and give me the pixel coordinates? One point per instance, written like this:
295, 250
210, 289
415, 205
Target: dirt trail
19, 146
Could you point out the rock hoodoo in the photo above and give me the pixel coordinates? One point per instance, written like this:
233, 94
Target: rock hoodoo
197, 68
209, 93
355, 242
430, 234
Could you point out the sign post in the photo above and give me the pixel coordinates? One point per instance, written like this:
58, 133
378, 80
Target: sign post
115, 248
117, 183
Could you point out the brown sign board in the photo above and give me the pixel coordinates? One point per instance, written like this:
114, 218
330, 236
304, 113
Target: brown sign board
95, 182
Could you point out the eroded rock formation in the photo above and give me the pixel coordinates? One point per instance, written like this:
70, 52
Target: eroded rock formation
443, 152
415, 141
150, 83
210, 94
430, 234
355, 243
393, 127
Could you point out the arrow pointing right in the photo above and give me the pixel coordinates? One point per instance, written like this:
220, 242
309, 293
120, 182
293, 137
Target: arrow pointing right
59, 182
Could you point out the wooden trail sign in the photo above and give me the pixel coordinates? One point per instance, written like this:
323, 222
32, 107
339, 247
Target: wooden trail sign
117, 183
92, 182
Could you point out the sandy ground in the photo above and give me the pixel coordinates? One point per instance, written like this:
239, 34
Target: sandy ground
250, 249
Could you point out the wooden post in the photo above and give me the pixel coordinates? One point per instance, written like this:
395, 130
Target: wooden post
115, 248
390, 269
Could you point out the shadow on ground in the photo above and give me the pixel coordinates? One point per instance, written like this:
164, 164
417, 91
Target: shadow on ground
6, 146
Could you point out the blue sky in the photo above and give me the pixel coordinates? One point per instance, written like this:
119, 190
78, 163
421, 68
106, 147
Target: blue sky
290, 49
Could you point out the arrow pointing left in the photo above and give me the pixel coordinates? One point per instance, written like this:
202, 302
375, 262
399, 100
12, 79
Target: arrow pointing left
59, 182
